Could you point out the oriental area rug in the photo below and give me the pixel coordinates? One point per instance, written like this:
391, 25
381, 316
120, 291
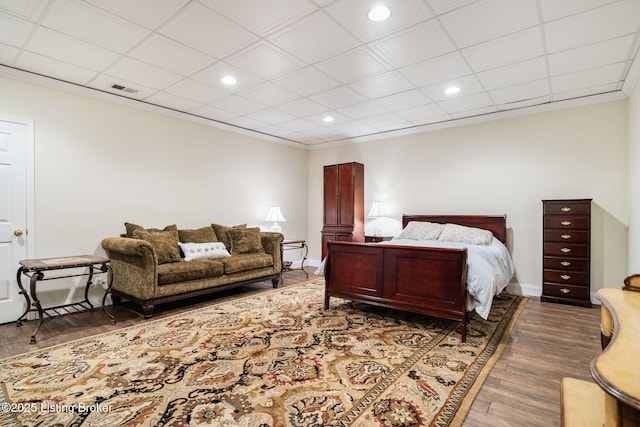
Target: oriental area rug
275, 358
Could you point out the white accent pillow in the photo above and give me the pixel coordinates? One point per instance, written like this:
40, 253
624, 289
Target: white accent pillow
210, 250
462, 234
417, 230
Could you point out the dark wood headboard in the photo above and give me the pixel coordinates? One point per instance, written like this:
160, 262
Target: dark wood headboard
497, 224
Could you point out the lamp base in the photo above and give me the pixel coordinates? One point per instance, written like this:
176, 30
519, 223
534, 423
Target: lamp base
276, 228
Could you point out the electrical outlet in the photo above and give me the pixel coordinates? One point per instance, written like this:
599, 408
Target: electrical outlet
99, 281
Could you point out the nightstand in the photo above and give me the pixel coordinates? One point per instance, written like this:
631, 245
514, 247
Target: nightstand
376, 239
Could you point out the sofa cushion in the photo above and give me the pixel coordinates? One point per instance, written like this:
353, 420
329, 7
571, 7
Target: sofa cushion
184, 271
130, 228
210, 250
198, 235
221, 233
238, 263
245, 241
165, 244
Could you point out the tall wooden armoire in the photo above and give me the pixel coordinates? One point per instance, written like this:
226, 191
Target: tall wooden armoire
343, 204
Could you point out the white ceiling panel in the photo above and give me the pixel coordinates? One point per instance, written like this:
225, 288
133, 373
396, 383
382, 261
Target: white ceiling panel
352, 14
93, 25
420, 42
297, 61
485, 20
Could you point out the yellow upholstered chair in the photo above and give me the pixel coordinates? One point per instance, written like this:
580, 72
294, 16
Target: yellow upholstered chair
632, 283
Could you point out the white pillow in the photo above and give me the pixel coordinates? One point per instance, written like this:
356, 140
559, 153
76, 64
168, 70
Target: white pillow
210, 250
462, 234
417, 230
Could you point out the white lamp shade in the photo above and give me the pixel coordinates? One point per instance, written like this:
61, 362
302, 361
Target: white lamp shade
275, 215
377, 210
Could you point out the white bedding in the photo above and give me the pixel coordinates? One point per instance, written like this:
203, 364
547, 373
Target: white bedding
489, 269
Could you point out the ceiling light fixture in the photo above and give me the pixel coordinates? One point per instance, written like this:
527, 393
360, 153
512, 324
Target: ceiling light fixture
379, 13
228, 80
452, 90
328, 119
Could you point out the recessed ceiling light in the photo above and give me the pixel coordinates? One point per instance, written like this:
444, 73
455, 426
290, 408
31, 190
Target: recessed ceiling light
452, 90
228, 80
379, 13
328, 119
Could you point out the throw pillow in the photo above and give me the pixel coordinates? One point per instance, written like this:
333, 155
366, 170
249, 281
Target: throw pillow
210, 250
221, 232
417, 230
462, 234
130, 228
245, 240
165, 244
198, 235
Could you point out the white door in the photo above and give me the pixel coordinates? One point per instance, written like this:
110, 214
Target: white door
16, 191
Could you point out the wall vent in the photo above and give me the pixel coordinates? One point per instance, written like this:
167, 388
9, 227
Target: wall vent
124, 88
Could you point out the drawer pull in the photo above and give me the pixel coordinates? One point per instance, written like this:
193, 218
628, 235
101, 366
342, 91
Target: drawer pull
565, 250
566, 263
566, 223
565, 277
565, 290
565, 236
566, 209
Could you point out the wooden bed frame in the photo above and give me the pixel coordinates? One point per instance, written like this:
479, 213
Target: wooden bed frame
429, 281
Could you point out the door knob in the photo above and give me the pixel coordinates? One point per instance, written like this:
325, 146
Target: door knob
17, 232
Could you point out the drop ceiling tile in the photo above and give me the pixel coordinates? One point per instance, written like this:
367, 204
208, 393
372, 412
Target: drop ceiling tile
466, 103
337, 118
526, 103
269, 94
150, 13
468, 85
202, 29
141, 73
307, 81
166, 53
262, 17
364, 109
381, 85
212, 113
436, 70
238, 105
554, 9
591, 56
338, 97
579, 93
212, 75
27, 9
8, 54
314, 38
507, 50
196, 91
521, 92
105, 82
526, 71
300, 125
265, 61
442, 6
404, 100
93, 25
615, 20
474, 112
352, 14
418, 43
478, 22
54, 68
247, 123
610, 74
171, 101
66, 49
423, 113
271, 116
14, 31
302, 107
351, 66
384, 122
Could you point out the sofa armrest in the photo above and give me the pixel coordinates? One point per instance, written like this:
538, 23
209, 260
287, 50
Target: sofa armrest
135, 266
271, 243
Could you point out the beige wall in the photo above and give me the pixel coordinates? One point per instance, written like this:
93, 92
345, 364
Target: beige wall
502, 167
99, 164
634, 181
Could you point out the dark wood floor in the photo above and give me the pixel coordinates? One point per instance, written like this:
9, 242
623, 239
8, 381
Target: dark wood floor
549, 341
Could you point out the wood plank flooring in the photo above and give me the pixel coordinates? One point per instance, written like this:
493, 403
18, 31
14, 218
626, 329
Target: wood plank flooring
549, 341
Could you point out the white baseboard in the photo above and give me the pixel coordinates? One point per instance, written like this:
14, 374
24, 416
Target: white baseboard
524, 289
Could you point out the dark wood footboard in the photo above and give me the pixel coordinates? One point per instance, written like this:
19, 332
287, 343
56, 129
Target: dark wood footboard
429, 281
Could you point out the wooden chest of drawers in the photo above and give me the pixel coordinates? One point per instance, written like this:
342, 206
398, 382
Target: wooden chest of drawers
566, 251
